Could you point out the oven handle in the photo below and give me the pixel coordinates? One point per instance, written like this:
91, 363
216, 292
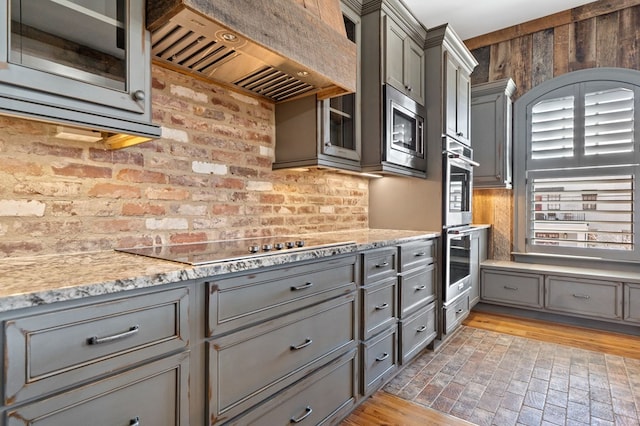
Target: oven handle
461, 158
459, 231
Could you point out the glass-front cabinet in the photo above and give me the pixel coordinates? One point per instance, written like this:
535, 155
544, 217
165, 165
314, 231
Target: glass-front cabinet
83, 62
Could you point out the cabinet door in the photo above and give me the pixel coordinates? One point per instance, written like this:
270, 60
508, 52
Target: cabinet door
99, 58
394, 54
457, 92
414, 70
474, 292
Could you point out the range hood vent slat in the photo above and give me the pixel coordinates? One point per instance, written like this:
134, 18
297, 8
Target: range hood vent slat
209, 39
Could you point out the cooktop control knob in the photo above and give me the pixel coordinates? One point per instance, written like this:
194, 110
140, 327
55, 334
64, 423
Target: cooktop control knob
290, 244
267, 247
279, 246
254, 249
300, 243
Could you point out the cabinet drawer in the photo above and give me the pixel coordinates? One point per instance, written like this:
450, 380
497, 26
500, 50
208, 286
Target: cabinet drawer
250, 365
379, 360
255, 297
602, 299
417, 331
512, 288
416, 254
50, 351
329, 393
632, 302
379, 264
417, 288
455, 313
154, 394
378, 307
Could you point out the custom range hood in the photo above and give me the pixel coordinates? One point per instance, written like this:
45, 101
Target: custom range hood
279, 49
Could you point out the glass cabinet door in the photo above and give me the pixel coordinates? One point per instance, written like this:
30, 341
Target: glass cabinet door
340, 137
80, 49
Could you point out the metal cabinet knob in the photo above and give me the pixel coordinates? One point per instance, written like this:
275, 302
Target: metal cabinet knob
138, 95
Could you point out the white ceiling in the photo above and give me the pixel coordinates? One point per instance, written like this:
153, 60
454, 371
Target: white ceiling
471, 18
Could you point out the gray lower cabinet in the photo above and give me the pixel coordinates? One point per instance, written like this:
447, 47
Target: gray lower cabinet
379, 360
594, 298
479, 253
153, 394
632, 302
587, 293
512, 288
278, 338
416, 332
456, 312
379, 307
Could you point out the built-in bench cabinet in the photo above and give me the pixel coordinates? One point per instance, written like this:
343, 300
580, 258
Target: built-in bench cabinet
584, 292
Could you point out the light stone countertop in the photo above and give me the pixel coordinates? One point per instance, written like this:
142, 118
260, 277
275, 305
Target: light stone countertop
40, 280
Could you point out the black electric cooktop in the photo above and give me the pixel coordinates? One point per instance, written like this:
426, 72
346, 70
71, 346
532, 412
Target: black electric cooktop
226, 250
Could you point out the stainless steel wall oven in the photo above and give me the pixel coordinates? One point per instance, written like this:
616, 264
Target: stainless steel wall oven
458, 183
404, 130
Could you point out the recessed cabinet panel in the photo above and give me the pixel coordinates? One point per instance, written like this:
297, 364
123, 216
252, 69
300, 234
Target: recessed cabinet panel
155, 394
404, 61
512, 288
594, 298
632, 302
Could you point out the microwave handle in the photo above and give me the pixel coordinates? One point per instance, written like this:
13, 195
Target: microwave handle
457, 156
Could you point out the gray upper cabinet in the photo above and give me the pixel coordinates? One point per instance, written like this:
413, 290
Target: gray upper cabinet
449, 87
92, 74
404, 61
321, 133
491, 127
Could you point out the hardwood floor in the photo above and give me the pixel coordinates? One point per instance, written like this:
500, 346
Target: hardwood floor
386, 409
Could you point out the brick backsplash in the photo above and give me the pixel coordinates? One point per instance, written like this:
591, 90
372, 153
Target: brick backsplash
208, 177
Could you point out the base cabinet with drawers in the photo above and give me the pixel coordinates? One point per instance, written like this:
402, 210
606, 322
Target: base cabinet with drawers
566, 291
277, 338
72, 361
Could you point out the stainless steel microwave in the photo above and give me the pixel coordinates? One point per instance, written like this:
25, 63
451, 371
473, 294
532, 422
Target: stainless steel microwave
404, 141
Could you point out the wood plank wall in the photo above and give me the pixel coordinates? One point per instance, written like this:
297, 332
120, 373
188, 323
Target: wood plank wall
605, 33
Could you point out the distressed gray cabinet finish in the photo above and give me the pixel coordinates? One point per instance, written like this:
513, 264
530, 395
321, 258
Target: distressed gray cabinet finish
512, 288
281, 328
71, 361
403, 61
49, 351
54, 79
313, 132
583, 292
594, 298
392, 45
449, 65
379, 360
418, 292
479, 249
632, 302
379, 307
155, 394
491, 127
455, 313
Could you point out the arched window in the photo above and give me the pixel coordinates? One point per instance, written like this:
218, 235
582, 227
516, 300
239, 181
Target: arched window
576, 164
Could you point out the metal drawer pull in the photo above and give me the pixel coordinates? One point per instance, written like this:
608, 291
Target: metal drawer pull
306, 343
420, 254
302, 287
506, 287
422, 287
459, 311
382, 265
582, 296
421, 328
381, 307
135, 421
95, 340
383, 357
307, 412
